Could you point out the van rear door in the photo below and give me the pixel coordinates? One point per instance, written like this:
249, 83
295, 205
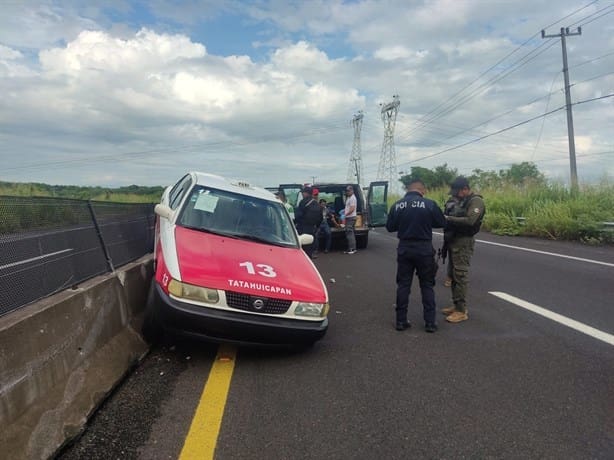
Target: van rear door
377, 203
292, 192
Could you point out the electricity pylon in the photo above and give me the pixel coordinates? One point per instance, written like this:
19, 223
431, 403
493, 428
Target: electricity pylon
387, 169
355, 166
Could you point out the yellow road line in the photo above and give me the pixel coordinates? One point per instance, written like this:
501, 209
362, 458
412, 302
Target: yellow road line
202, 437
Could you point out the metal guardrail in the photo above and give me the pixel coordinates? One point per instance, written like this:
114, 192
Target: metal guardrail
51, 244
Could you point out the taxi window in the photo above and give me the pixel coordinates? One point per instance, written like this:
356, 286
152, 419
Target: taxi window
237, 215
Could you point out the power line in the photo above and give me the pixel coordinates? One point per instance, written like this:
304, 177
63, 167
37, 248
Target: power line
480, 89
571, 14
487, 135
405, 133
431, 116
546, 160
580, 22
594, 99
548, 95
591, 60
541, 129
594, 19
504, 129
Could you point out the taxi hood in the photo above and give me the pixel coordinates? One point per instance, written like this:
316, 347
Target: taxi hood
249, 267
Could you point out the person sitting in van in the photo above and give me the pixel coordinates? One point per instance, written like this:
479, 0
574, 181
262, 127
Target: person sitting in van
328, 220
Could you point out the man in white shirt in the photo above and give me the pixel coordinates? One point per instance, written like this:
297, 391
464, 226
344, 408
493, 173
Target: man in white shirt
350, 219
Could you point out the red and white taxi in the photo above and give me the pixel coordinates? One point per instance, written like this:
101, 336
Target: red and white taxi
229, 267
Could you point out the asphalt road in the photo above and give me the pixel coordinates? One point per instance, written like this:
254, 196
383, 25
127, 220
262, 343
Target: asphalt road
508, 383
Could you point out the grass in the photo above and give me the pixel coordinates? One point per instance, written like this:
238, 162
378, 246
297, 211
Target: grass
128, 194
549, 211
32, 206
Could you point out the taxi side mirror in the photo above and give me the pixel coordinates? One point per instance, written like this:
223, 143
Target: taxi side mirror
305, 239
164, 211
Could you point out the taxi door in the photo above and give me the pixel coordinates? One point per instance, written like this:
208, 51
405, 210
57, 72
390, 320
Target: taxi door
377, 203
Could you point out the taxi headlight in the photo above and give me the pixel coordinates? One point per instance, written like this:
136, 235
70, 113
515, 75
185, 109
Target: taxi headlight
191, 292
311, 309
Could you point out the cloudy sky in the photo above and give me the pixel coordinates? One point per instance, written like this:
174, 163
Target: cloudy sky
138, 92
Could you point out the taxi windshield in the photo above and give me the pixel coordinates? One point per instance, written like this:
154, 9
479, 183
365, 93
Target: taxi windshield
239, 216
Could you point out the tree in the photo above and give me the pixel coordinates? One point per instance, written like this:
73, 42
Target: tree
523, 173
441, 176
484, 179
445, 175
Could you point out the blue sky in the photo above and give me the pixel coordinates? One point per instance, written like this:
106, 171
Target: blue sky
140, 92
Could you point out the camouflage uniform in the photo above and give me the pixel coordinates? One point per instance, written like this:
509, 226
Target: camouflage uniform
464, 222
449, 210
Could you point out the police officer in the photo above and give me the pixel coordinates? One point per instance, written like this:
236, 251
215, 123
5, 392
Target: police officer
463, 222
308, 217
413, 218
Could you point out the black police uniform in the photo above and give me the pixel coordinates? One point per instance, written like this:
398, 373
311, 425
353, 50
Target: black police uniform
413, 218
308, 217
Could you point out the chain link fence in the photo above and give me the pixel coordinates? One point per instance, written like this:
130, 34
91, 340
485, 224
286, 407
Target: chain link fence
51, 244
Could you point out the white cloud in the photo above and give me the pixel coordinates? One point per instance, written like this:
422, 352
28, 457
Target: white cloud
9, 54
12, 65
36, 25
99, 51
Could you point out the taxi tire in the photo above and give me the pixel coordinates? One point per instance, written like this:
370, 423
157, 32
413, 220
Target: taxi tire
151, 329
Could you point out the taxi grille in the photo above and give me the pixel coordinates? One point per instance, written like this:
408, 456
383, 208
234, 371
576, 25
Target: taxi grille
246, 302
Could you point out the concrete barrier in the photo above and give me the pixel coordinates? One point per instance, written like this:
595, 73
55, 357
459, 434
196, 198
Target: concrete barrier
61, 356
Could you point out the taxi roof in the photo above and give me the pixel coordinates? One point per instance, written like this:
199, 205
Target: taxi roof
231, 185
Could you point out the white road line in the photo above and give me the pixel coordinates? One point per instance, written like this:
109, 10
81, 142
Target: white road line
34, 258
578, 326
554, 254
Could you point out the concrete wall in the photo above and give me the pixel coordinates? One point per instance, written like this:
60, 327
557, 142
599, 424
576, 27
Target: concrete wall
61, 356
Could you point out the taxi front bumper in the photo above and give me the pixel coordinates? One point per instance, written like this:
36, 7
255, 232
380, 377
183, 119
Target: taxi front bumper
235, 327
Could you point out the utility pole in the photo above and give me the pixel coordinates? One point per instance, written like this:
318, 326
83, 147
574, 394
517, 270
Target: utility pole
570, 134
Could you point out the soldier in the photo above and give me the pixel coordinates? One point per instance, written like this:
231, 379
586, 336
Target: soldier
413, 217
463, 223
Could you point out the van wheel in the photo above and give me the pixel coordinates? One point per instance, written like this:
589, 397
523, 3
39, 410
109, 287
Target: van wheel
152, 330
362, 241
